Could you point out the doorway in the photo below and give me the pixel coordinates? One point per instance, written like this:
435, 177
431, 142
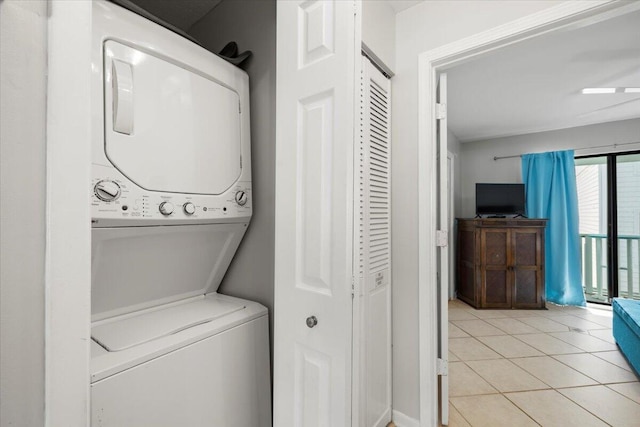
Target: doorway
609, 206
430, 65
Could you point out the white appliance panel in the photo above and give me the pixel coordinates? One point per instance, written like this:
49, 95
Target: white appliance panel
143, 326
152, 345
171, 184
170, 124
167, 127
137, 207
222, 380
139, 267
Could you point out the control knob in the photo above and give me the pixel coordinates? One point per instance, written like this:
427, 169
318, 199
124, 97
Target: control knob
189, 208
166, 208
241, 198
107, 191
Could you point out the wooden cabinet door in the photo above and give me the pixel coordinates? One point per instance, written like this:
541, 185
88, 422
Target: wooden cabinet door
526, 266
494, 270
467, 265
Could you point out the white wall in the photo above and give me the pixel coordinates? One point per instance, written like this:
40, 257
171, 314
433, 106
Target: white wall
379, 31
252, 24
23, 62
418, 29
478, 164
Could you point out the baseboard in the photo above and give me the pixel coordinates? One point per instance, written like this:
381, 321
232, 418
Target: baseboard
384, 419
401, 420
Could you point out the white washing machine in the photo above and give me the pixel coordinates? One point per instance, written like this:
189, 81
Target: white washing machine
171, 202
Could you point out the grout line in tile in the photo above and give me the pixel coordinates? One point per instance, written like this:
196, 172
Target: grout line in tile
599, 383
627, 382
586, 409
516, 405
461, 414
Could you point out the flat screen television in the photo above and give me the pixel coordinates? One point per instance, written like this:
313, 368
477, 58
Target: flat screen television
500, 199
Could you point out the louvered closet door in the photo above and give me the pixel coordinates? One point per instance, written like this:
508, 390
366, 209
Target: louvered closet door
375, 247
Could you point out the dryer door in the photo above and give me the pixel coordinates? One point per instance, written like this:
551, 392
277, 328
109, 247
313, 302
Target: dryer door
169, 128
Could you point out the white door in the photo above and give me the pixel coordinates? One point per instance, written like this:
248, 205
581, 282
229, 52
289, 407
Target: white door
373, 260
318, 46
443, 255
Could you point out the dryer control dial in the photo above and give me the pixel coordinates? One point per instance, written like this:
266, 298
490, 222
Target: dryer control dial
107, 191
166, 208
241, 198
189, 208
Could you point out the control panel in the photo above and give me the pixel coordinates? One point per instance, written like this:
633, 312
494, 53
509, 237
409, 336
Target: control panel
116, 201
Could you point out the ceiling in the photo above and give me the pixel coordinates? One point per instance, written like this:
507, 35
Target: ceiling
535, 85
400, 5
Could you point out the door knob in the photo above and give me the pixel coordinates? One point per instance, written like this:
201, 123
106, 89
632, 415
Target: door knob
312, 321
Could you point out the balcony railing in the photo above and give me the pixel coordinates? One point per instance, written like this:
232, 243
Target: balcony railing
594, 266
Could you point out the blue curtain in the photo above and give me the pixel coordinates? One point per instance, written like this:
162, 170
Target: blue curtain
551, 192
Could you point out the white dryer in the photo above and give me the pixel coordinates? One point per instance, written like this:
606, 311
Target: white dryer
171, 202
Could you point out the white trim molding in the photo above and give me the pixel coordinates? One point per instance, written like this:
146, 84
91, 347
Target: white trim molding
553, 18
68, 220
402, 420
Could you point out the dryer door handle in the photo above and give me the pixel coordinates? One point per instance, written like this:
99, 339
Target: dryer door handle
122, 77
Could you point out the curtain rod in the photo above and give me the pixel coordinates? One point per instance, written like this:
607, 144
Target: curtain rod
576, 149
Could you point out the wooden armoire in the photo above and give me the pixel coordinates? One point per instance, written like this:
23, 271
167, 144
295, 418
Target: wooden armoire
500, 262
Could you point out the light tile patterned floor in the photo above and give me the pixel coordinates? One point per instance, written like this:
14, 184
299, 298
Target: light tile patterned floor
555, 367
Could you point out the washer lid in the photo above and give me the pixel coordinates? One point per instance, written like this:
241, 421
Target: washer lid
168, 127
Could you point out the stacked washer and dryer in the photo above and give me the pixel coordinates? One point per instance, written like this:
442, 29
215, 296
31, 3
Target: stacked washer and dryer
171, 200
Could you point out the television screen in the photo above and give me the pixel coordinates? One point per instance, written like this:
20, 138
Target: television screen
500, 199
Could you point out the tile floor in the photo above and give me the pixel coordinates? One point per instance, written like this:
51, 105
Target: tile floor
555, 367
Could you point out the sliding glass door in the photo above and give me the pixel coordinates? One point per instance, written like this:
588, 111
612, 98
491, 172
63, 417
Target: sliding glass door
591, 178
628, 224
609, 206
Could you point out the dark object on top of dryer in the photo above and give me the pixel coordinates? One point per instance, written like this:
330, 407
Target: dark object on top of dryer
230, 53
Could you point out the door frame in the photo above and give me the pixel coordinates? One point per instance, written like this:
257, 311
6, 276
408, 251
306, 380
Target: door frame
429, 63
68, 218
451, 197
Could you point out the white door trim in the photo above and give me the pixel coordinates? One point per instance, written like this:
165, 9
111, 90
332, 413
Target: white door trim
451, 174
429, 62
68, 220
